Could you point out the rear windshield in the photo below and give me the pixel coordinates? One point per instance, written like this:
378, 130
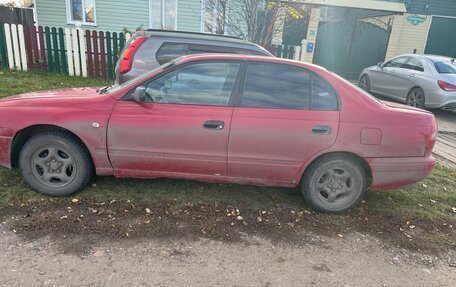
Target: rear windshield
445, 67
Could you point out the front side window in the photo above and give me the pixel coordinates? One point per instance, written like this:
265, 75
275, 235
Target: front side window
163, 13
81, 12
396, 63
208, 84
213, 16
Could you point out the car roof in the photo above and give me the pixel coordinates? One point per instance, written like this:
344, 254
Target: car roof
433, 58
241, 57
195, 36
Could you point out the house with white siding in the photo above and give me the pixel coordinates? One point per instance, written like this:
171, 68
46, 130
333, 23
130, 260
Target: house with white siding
115, 15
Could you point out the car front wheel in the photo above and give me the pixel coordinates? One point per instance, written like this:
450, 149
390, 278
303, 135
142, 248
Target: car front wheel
55, 163
364, 83
334, 184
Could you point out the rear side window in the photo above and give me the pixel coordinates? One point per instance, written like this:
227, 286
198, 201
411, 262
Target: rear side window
277, 86
171, 51
199, 49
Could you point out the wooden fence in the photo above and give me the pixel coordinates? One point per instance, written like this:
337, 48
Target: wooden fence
288, 52
74, 52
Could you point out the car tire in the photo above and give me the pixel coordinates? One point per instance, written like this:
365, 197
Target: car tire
334, 183
364, 83
55, 163
416, 98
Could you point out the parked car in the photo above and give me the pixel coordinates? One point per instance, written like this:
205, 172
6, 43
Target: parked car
221, 118
422, 81
149, 49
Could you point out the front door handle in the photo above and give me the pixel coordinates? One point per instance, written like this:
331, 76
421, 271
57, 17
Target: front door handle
214, 125
321, 130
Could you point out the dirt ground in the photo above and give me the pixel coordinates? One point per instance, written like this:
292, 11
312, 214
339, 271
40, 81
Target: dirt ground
199, 244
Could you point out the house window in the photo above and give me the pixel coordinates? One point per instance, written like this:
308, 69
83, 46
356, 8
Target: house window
81, 12
213, 16
163, 14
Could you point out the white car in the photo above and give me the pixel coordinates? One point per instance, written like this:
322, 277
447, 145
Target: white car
423, 81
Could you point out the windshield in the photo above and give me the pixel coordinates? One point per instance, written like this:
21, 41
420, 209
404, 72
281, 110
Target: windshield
445, 67
118, 87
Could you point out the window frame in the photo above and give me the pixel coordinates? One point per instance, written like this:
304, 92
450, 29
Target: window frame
312, 74
234, 92
69, 13
215, 12
163, 13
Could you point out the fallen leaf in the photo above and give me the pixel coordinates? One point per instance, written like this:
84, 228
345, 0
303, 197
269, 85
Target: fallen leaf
99, 253
340, 235
454, 209
64, 217
432, 201
75, 200
424, 185
148, 210
240, 218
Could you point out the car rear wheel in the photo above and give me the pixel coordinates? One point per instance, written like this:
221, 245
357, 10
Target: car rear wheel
55, 163
415, 98
364, 83
334, 184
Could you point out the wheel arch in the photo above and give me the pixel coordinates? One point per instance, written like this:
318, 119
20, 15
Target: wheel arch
23, 135
364, 164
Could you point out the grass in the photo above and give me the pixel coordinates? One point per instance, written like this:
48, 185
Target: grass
14, 82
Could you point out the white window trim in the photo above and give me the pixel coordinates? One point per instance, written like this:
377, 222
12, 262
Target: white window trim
163, 13
81, 23
214, 19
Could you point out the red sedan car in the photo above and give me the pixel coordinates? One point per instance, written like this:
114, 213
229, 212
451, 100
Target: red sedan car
223, 118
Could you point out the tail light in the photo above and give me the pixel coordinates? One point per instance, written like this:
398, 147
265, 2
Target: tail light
430, 142
127, 58
446, 86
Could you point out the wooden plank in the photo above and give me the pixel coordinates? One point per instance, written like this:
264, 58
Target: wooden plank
28, 47
3, 51
42, 49
69, 51
48, 47
82, 52
36, 52
121, 41
62, 51
279, 51
109, 55
115, 47
96, 53
22, 50
9, 46
103, 56
75, 55
89, 54
55, 49
16, 49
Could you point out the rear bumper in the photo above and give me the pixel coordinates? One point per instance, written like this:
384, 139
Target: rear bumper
5, 146
390, 173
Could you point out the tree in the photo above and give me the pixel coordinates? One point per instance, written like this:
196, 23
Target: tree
257, 21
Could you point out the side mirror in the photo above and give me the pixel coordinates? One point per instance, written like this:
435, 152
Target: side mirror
380, 64
139, 96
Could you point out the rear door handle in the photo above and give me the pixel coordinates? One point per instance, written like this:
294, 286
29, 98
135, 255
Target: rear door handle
411, 75
321, 130
214, 125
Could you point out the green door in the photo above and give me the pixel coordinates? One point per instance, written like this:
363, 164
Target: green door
347, 47
441, 38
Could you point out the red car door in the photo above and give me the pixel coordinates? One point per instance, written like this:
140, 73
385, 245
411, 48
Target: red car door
285, 115
183, 126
